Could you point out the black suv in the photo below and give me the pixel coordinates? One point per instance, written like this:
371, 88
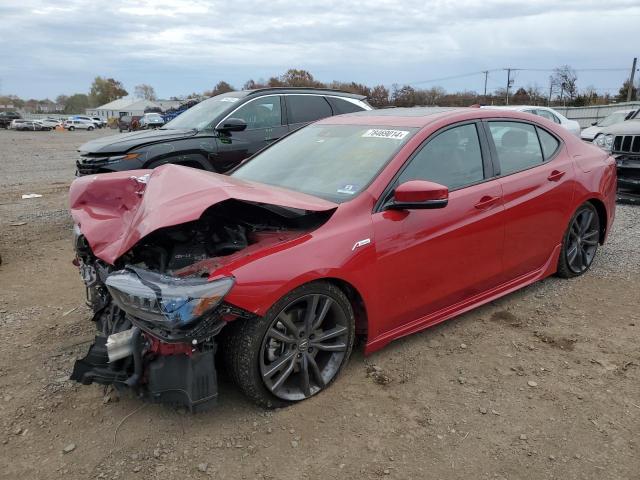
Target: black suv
220, 132
7, 117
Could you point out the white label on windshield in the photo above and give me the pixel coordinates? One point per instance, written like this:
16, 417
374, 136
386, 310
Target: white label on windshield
229, 99
378, 133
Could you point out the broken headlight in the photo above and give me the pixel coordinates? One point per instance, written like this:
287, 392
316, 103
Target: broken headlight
167, 301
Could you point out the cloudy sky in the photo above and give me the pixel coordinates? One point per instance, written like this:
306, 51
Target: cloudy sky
182, 46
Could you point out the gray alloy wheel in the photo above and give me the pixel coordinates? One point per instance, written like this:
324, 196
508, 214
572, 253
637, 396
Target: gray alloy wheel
304, 347
580, 242
295, 350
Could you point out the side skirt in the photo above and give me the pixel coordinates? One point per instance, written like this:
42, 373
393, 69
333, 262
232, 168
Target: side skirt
464, 306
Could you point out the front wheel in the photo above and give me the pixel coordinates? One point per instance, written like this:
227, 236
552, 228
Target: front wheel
71, 129
580, 242
296, 350
90, 128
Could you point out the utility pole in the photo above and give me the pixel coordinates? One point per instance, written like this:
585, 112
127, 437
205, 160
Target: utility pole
486, 75
509, 81
550, 92
633, 74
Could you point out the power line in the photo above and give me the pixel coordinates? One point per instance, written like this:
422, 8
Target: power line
485, 72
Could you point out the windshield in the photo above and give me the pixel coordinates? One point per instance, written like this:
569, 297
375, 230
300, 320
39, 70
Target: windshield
202, 114
334, 162
615, 117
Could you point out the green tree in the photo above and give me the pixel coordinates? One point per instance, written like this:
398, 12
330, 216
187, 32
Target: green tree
145, 91
77, 103
298, 78
379, 96
565, 78
622, 94
221, 87
105, 90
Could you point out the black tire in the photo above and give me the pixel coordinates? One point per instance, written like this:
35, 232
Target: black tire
71, 129
580, 242
243, 344
90, 128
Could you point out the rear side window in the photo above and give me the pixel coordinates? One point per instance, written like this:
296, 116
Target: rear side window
341, 106
548, 115
453, 158
307, 108
548, 142
517, 146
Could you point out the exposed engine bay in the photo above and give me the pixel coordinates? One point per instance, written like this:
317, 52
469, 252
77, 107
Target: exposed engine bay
158, 308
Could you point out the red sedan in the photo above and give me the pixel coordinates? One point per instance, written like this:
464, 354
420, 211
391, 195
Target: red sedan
379, 224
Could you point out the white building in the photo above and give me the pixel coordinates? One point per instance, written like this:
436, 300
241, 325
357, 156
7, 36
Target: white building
130, 106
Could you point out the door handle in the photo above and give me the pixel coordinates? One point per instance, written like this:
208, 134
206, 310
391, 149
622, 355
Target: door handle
555, 176
486, 202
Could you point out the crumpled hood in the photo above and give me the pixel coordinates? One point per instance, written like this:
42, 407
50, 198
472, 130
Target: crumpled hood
123, 142
116, 210
628, 127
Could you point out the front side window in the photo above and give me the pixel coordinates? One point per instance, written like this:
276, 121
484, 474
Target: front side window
201, 115
307, 108
334, 162
261, 113
517, 146
453, 158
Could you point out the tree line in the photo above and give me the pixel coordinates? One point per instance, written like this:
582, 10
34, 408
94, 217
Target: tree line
562, 90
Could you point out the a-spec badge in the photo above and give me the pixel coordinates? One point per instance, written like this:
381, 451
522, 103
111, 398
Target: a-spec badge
361, 243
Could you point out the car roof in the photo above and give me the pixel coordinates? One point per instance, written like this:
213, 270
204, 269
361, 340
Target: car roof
420, 116
307, 90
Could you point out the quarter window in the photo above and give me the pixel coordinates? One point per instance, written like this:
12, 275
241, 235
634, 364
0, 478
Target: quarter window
261, 113
341, 106
548, 142
307, 108
453, 158
517, 146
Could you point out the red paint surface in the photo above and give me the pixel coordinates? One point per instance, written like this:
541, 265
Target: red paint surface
421, 266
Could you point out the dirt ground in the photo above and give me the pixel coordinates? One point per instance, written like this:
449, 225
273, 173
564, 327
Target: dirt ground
542, 384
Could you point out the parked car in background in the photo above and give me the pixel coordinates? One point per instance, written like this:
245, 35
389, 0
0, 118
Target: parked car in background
76, 124
34, 125
544, 112
96, 123
151, 120
589, 133
381, 223
128, 123
50, 122
14, 123
101, 122
220, 132
622, 140
7, 117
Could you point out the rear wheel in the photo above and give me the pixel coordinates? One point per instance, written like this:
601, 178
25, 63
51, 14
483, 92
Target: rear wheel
580, 242
90, 128
71, 129
296, 350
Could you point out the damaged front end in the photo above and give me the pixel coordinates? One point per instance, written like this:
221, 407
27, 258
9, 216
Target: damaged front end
159, 307
156, 254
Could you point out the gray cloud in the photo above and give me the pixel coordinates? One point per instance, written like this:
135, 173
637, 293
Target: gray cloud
187, 45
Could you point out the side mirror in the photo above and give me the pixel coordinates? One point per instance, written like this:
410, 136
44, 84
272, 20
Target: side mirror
419, 194
593, 124
232, 125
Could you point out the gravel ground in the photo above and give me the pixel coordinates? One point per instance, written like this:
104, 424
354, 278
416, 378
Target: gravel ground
541, 384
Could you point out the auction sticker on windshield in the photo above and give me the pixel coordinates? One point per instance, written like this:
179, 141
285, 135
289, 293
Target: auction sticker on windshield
379, 133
